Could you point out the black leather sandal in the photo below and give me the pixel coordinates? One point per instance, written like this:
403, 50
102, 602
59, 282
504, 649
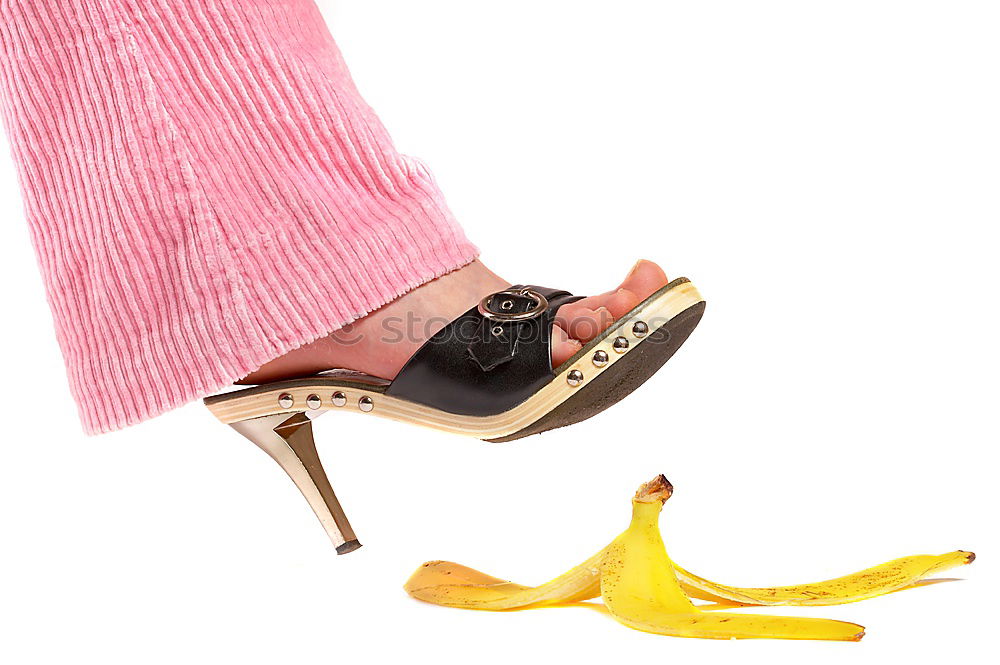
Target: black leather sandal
487, 374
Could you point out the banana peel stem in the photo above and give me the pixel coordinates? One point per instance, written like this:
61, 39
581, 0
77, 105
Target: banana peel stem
657, 489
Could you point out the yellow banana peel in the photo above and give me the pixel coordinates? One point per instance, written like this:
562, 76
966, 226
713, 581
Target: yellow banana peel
895, 575
454, 585
643, 589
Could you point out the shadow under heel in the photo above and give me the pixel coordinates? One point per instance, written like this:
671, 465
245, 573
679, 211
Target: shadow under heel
288, 439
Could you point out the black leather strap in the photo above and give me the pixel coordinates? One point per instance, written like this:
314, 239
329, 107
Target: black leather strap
480, 366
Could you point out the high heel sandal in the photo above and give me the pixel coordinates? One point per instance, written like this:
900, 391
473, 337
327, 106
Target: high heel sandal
487, 374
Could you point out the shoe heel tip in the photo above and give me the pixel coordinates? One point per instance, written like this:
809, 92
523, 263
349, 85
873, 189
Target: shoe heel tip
348, 547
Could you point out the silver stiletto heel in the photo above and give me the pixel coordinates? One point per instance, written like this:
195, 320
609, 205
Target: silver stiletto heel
288, 439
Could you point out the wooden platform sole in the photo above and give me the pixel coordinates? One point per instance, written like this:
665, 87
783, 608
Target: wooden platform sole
366, 396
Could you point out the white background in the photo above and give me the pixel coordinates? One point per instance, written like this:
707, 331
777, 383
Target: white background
825, 172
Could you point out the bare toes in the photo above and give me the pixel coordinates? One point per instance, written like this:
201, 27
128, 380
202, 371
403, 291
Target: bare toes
563, 346
619, 302
579, 322
645, 279
584, 323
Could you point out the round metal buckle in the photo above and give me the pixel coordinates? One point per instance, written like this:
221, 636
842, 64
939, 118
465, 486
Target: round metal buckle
541, 304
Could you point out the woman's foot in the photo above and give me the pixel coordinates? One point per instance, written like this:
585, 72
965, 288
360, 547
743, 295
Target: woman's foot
380, 344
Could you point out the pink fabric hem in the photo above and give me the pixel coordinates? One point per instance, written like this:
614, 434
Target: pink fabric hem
299, 336
206, 190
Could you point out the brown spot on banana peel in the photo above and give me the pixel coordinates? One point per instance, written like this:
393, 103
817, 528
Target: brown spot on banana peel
657, 489
969, 556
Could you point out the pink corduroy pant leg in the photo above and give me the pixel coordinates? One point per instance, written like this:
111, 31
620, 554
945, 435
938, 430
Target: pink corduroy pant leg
206, 190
